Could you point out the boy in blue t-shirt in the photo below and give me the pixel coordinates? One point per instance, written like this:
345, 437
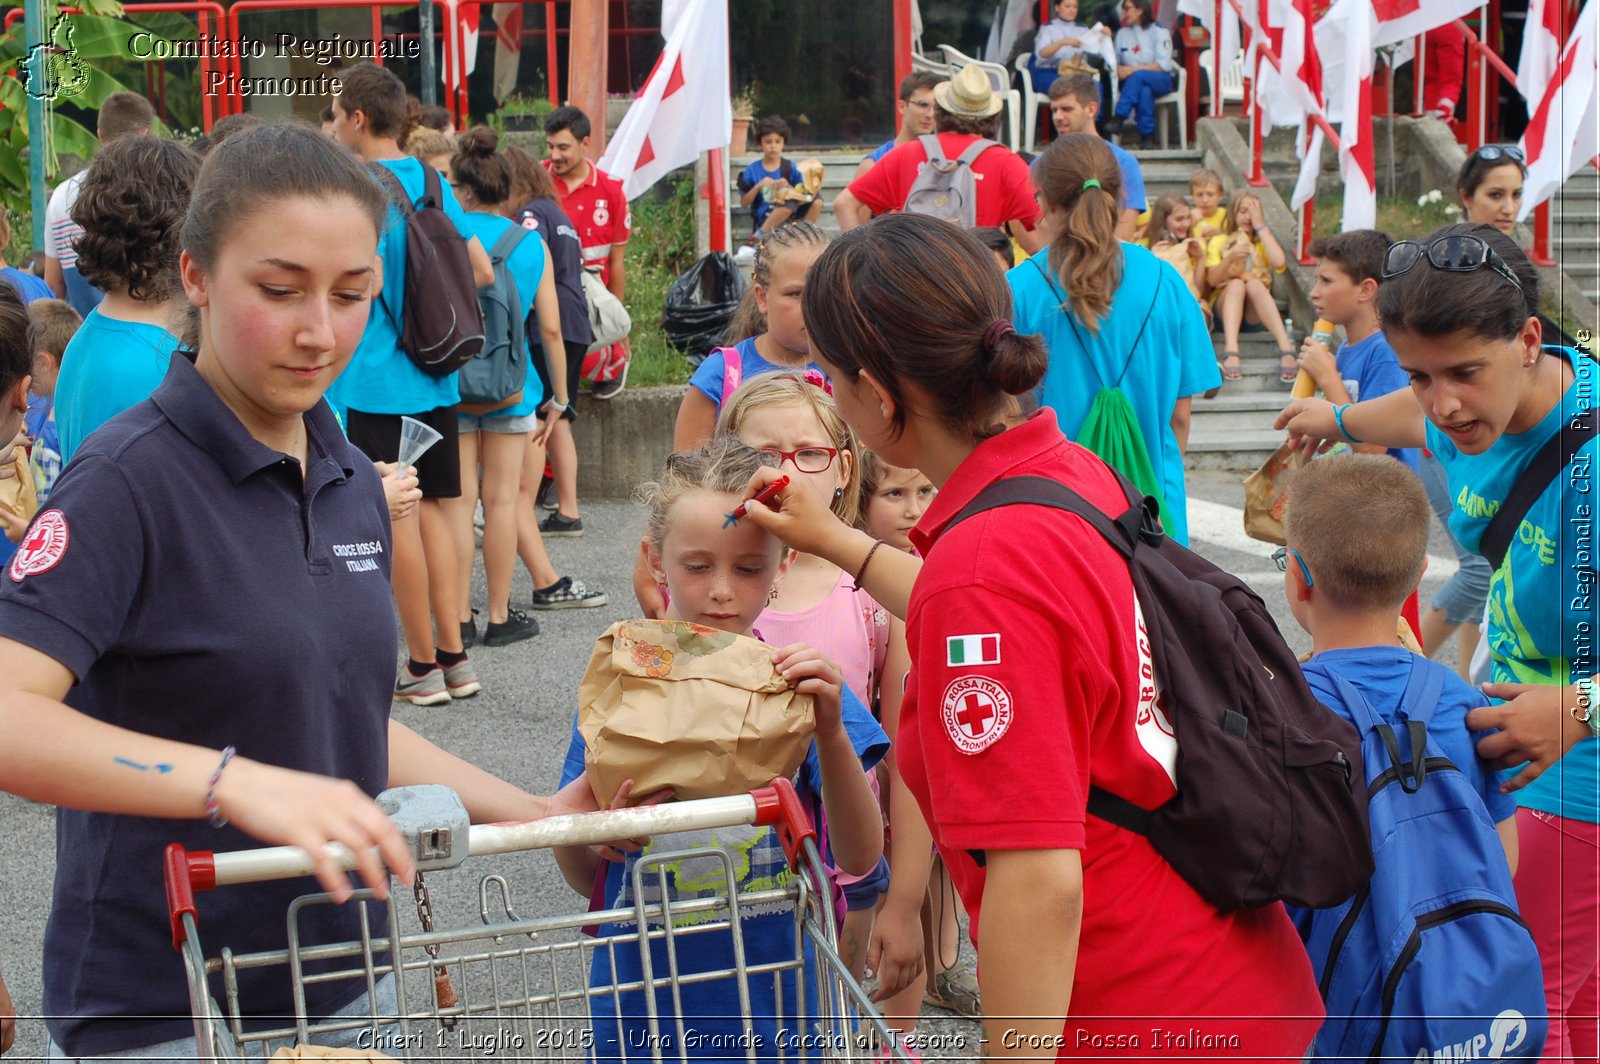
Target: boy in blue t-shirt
768, 185
1349, 266
1357, 541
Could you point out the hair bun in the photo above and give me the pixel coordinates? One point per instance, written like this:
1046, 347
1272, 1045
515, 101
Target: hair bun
1016, 362
478, 141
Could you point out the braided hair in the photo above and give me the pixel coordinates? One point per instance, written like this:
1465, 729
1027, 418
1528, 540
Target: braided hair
747, 319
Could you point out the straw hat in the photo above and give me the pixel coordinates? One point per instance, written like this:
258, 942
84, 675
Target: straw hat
968, 94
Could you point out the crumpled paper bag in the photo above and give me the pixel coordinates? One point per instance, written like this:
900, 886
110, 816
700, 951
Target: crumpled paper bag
812, 173
1266, 497
314, 1052
697, 709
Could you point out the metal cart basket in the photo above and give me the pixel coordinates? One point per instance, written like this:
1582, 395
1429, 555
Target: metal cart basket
529, 988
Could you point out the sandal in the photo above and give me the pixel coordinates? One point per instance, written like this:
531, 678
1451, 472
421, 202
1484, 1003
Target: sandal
956, 989
1288, 367
1234, 372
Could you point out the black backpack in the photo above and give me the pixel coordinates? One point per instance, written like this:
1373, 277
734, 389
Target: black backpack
441, 325
1271, 803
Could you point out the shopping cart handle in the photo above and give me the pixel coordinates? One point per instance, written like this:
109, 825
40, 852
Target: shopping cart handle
185, 872
779, 806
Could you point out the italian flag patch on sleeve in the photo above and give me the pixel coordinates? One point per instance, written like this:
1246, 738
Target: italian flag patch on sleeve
972, 650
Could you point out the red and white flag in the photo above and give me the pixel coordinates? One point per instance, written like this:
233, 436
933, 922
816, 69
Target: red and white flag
465, 18
1563, 134
1401, 19
685, 107
1542, 36
507, 49
1345, 42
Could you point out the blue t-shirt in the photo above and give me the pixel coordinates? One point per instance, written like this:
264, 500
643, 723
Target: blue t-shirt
1174, 357
527, 264
27, 285
708, 376
881, 150
711, 1009
1542, 599
1369, 369
754, 174
1380, 674
108, 366
381, 378
44, 458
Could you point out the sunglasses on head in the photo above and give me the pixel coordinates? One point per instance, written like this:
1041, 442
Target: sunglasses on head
1461, 253
1491, 152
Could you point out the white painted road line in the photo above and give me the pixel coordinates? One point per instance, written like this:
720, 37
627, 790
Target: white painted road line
1219, 525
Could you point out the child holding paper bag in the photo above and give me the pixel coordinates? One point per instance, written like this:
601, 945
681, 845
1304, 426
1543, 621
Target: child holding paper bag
721, 579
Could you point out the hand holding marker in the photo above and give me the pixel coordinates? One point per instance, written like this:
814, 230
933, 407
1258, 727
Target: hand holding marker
765, 495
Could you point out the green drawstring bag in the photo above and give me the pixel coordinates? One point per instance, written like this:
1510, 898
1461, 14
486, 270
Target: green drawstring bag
1111, 429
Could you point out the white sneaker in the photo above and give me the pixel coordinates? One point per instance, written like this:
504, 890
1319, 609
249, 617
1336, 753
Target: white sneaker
745, 254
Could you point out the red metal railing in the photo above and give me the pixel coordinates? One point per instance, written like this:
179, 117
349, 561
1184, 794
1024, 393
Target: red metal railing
203, 10
1257, 177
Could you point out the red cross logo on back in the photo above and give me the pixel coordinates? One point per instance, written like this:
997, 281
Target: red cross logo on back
976, 712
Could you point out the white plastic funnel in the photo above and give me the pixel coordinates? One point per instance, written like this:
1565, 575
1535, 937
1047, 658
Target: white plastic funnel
415, 439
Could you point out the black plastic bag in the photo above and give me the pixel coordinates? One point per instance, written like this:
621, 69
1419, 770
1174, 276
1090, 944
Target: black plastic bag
701, 303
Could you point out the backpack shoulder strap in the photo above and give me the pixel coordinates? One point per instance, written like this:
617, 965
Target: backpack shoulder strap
930, 144
1552, 458
732, 370
1122, 532
432, 191
1423, 689
975, 149
508, 243
391, 184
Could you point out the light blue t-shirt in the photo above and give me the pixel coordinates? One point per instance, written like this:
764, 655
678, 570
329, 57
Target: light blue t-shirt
381, 378
108, 366
1542, 620
1174, 357
527, 265
28, 287
711, 1009
1369, 369
1380, 674
881, 150
708, 376
1133, 194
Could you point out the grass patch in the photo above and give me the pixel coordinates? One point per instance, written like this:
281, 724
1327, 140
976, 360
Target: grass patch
662, 247
1399, 216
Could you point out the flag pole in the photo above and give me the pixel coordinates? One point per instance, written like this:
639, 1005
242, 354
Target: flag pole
717, 189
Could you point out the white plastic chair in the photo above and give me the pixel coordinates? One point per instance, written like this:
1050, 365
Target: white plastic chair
931, 65
1032, 100
1179, 99
1232, 77
1000, 82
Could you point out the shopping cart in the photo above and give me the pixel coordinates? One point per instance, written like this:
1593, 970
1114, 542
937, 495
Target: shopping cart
522, 989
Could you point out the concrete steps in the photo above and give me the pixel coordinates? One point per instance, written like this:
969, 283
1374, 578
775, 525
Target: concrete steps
1233, 431
1575, 230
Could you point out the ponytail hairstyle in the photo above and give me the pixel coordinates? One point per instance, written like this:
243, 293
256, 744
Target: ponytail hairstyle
479, 167
788, 389
917, 302
1432, 302
376, 92
747, 320
1079, 175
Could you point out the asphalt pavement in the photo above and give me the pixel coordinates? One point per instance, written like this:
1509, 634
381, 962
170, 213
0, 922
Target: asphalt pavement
520, 725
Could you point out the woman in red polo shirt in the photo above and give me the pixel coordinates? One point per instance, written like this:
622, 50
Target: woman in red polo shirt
1023, 625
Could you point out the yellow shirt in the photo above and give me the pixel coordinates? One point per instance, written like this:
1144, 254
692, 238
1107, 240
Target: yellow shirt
1256, 266
1209, 225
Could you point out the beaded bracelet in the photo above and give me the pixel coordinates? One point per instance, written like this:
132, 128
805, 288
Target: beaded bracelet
1338, 420
213, 810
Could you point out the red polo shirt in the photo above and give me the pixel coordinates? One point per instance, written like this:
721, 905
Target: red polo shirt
1005, 187
1028, 650
599, 210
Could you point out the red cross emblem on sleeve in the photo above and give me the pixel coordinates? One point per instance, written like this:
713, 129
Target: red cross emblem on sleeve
977, 712
43, 547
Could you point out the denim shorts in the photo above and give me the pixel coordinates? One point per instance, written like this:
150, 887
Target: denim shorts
506, 426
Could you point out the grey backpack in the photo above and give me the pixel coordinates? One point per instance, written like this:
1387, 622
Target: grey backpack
496, 376
947, 189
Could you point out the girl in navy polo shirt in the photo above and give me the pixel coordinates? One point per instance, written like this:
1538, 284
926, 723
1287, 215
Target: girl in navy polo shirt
1025, 688
211, 577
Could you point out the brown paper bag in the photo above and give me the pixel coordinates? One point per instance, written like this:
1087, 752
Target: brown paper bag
313, 1052
17, 489
703, 711
1265, 499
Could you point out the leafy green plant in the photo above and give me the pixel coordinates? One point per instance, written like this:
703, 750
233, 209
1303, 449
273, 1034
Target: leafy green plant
662, 247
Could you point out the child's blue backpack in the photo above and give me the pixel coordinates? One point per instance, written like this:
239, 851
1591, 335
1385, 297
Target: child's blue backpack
494, 378
1430, 961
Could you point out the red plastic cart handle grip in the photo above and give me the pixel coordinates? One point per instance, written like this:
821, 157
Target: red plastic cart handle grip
186, 873
779, 806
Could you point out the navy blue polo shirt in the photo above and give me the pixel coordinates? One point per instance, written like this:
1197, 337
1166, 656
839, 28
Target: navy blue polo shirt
200, 589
